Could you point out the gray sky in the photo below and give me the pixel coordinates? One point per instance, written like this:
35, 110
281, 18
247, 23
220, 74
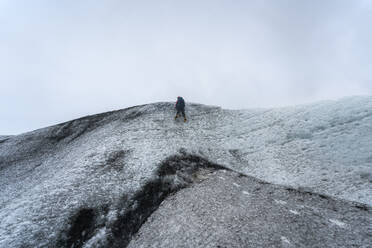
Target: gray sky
60, 60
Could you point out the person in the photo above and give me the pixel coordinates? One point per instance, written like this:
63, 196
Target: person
180, 107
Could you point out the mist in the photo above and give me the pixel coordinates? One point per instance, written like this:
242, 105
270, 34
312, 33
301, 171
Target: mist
61, 60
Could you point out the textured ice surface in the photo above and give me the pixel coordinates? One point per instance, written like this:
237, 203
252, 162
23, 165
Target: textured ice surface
224, 217
54, 179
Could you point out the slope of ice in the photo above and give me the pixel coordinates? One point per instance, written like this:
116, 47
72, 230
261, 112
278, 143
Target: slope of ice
48, 174
266, 215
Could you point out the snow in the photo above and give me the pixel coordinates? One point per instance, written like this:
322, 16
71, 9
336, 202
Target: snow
48, 174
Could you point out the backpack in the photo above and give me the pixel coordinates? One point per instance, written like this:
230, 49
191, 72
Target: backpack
180, 103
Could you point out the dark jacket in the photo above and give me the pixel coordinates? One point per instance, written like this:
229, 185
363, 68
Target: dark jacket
180, 104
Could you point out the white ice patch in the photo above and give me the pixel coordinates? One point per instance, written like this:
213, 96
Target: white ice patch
338, 223
294, 212
280, 202
245, 192
236, 185
221, 178
97, 240
285, 240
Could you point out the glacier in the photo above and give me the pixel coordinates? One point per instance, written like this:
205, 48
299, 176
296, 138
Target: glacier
111, 179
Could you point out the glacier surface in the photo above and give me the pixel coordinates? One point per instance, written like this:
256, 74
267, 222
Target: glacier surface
71, 184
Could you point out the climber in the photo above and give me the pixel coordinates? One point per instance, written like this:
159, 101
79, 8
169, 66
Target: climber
180, 107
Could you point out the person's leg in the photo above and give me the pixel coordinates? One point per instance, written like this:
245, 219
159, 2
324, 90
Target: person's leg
177, 114
183, 114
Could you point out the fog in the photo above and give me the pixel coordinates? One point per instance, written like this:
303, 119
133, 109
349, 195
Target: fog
61, 60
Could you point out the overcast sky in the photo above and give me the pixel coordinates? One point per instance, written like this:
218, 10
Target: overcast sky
61, 60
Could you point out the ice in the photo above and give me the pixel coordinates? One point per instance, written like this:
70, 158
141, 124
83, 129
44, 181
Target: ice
285, 240
294, 212
338, 223
280, 202
48, 175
